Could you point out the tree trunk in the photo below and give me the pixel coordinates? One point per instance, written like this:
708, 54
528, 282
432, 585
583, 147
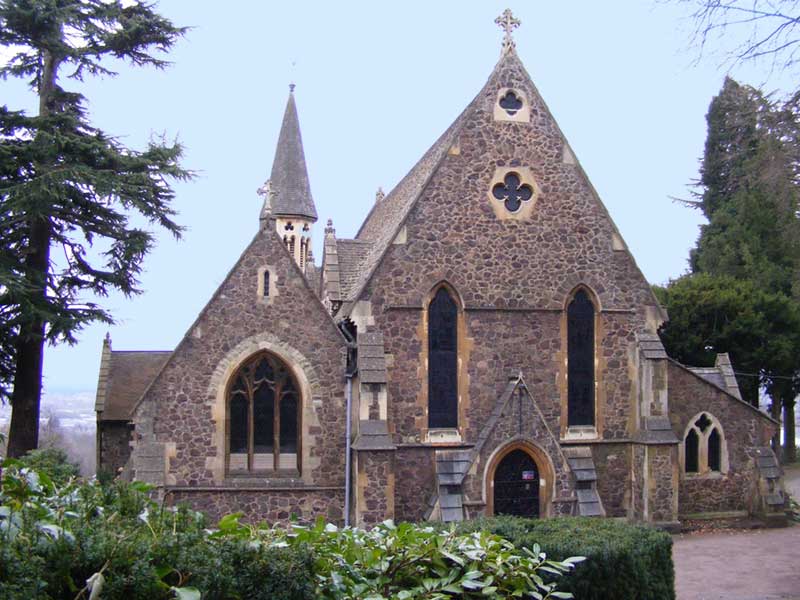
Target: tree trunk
23, 432
775, 411
789, 446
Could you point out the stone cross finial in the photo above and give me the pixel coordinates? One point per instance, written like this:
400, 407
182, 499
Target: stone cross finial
507, 23
379, 195
266, 192
329, 230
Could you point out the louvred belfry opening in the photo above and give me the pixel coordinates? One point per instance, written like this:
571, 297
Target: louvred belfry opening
580, 360
442, 361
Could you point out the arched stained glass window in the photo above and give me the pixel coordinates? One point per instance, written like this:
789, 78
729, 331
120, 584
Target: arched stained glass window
580, 360
442, 361
692, 444
714, 451
263, 407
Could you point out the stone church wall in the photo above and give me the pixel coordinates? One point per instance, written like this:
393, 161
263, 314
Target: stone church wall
263, 505
612, 462
512, 279
114, 445
184, 412
415, 476
744, 430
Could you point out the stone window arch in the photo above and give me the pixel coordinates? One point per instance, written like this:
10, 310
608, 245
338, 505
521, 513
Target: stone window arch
581, 316
263, 408
443, 316
544, 476
704, 451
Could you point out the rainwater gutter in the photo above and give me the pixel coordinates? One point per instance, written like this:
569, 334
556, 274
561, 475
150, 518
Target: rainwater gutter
350, 372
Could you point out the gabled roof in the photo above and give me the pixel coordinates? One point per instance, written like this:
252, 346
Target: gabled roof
127, 376
387, 217
291, 191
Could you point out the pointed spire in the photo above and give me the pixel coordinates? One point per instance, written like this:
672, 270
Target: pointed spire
291, 192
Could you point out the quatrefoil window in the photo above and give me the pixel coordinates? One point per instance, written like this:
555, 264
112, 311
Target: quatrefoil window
511, 103
512, 192
703, 422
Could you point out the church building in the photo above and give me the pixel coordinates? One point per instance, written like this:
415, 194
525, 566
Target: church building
425, 371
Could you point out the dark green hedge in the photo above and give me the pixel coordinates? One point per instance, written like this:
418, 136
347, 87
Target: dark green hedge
624, 561
143, 550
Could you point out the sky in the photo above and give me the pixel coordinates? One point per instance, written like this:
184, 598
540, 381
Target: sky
377, 83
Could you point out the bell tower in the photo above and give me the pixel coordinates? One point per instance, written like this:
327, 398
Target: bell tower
287, 193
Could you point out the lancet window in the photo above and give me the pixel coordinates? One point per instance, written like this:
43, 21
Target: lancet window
443, 361
580, 360
704, 446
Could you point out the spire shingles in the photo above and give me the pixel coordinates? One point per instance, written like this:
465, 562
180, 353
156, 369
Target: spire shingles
291, 192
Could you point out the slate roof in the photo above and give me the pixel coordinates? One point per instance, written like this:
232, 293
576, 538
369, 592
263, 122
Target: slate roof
387, 216
289, 178
352, 256
128, 375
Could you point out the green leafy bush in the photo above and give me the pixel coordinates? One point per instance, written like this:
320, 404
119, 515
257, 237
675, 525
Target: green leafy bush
54, 540
623, 561
83, 540
54, 462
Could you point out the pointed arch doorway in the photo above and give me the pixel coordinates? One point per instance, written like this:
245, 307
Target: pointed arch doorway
519, 482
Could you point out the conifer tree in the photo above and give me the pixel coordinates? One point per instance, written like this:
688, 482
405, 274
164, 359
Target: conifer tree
750, 195
67, 185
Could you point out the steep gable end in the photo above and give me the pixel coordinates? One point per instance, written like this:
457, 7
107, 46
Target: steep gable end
564, 223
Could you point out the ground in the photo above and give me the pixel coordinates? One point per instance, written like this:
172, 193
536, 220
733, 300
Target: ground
740, 565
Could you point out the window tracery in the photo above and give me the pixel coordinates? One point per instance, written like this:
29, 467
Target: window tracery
512, 192
264, 416
704, 449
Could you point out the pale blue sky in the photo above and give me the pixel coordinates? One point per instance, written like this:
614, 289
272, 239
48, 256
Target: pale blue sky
377, 83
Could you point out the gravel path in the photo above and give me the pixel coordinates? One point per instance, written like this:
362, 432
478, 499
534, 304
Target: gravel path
741, 565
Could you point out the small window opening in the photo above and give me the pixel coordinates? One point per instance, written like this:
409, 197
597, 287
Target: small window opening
714, 451
512, 192
703, 422
291, 245
692, 446
510, 103
266, 284
289, 226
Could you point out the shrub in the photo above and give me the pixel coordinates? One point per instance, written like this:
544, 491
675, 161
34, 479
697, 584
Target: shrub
623, 561
54, 540
52, 461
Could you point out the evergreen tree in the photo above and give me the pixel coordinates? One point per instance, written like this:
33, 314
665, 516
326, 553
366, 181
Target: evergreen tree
66, 184
710, 314
750, 197
750, 193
